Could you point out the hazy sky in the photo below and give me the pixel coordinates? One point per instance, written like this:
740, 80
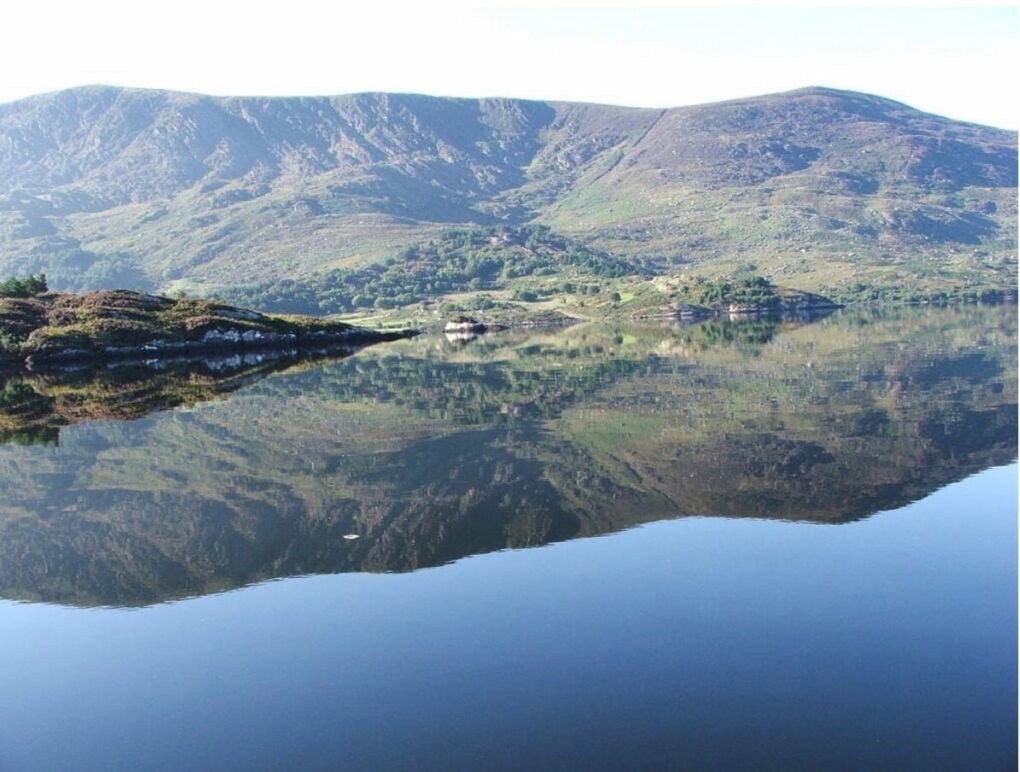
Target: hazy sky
961, 62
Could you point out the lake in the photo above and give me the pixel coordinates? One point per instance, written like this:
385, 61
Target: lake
730, 545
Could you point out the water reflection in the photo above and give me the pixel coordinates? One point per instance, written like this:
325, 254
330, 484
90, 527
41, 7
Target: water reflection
431, 450
34, 405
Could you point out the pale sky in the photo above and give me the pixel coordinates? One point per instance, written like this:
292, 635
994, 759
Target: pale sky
960, 62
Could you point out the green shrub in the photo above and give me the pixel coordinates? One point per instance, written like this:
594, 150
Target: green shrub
744, 291
24, 287
457, 261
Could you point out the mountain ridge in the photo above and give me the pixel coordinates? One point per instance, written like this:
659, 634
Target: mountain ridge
102, 186
808, 90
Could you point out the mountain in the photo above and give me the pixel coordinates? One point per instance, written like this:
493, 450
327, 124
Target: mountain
821, 189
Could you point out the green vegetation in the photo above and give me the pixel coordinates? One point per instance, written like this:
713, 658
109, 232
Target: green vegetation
35, 406
457, 261
26, 287
860, 292
122, 323
390, 204
754, 291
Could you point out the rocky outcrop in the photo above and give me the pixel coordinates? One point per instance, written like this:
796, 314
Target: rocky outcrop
681, 311
467, 325
787, 303
119, 324
795, 304
217, 341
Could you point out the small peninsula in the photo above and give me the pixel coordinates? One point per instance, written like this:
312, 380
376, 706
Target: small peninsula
735, 297
43, 327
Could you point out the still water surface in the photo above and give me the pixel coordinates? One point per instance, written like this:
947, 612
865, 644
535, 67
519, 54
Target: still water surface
754, 545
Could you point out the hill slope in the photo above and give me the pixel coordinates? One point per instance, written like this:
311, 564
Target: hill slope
103, 187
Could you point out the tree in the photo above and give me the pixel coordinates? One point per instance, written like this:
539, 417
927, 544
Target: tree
25, 287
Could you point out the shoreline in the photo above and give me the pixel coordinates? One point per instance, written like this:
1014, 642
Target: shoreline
283, 346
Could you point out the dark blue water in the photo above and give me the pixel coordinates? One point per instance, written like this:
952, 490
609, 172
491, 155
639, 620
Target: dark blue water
697, 643
786, 549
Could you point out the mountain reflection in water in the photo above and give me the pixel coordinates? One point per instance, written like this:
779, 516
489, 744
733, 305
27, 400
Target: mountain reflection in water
432, 450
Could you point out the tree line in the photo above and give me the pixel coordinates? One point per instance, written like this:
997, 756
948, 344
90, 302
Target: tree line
23, 287
463, 260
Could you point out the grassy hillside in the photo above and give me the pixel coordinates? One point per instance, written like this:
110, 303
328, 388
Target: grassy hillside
822, 190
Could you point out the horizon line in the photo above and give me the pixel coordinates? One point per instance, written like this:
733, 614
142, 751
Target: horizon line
206, 95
